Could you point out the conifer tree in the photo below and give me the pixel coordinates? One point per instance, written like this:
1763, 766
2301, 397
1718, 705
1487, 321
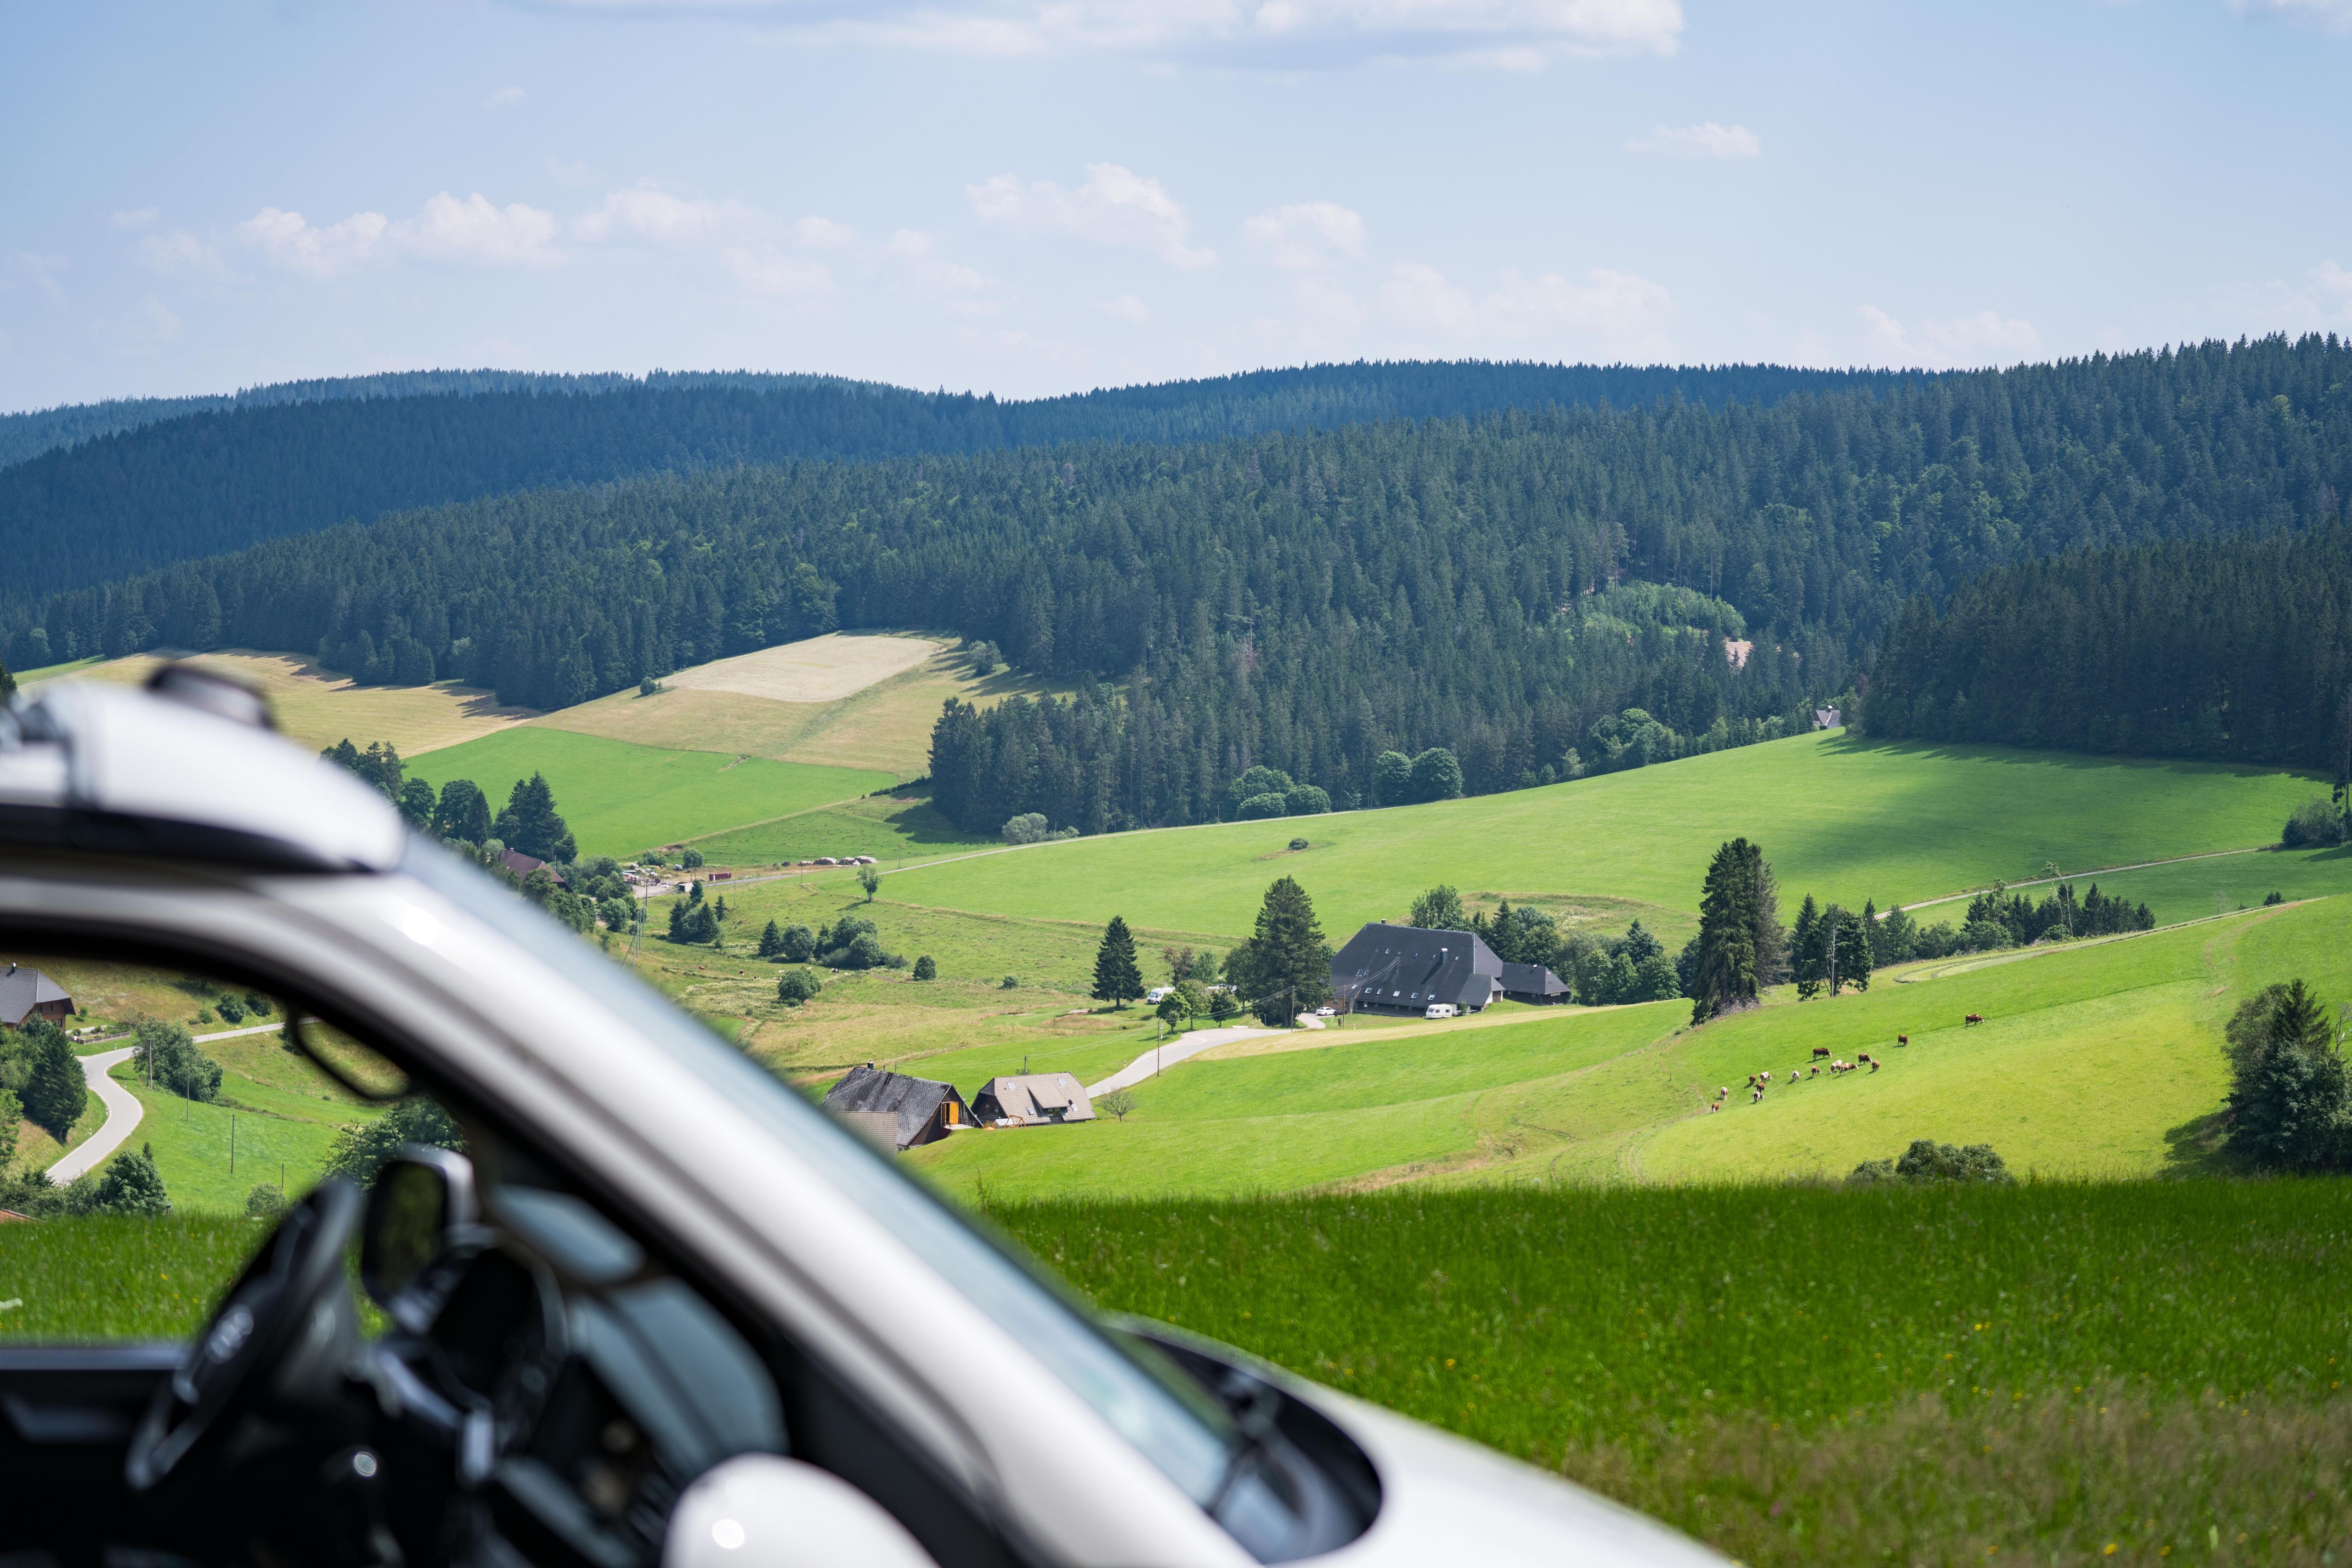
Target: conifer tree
462, 812
1734, 913
1284, 968
1805, 950
1117, 975
530, 826
54, 1092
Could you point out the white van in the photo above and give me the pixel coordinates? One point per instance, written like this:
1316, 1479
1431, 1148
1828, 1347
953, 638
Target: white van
1442, 1010
1157, 995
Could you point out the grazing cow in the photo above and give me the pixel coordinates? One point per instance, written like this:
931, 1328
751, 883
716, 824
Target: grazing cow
1817, 1072
1902, 1039
1873, 1065
1820, 1051
1973, 1019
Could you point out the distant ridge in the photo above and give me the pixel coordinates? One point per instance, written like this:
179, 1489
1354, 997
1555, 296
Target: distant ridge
125, 488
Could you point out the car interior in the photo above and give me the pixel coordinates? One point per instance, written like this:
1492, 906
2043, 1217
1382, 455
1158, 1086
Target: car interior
481, 1360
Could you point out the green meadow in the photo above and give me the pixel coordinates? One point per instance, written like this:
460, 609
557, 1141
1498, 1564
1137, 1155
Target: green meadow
1843, 819
619, 798
891, 829
2207, 885
2096, 1059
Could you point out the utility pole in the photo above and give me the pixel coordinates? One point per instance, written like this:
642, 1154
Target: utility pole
232, 1142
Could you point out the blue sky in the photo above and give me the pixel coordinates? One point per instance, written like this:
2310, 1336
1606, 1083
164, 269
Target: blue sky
1029, 198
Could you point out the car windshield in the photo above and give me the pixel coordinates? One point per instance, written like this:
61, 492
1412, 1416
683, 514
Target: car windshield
1150, 1402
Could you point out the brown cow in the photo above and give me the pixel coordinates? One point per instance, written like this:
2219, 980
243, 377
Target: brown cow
1902, 1039
1820, 1051
1973, 1019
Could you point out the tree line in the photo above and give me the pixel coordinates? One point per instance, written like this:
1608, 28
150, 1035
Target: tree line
2226, 649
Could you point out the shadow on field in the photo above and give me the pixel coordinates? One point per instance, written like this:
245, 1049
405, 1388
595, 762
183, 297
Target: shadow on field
2194, 1148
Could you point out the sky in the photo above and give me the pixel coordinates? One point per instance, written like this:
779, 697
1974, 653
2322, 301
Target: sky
1026, 198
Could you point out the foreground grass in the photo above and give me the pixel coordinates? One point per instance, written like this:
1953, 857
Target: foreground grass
1805, 1376
620, 798
118, 1279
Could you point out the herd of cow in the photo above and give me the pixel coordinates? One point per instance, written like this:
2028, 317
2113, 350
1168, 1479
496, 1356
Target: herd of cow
1757, 1082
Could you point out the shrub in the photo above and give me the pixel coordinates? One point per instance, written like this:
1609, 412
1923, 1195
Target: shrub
1029, 827
649, 687
363, 1149
1258, 807
1116, 1103
257, 1004
1298, 844
232, 1011
691, 859
797, 944
795, 986
264, 1202
1009, 982
1927, 1161
1258, 781
925, 969
130, 1186
1306, 800
2316, 822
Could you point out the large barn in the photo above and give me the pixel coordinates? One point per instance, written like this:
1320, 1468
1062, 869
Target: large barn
1403, 969
1033, 1099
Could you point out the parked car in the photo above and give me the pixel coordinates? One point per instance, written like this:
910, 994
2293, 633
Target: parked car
1153, 997
1441, 1010
1326, 1011
660, 1310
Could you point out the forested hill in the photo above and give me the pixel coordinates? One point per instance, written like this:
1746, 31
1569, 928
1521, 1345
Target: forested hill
2235, 650
1306, 599
311, 454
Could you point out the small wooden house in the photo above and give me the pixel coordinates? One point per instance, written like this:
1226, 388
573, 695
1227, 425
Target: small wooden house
27, 994
896, 1111
1032, 1099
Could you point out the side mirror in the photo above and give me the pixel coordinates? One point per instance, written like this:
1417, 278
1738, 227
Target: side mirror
757, 1509
420, 1197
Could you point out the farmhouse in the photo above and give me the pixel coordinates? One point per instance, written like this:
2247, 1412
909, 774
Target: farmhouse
522, 865
29, 993
1403, 969
1533, 982
895, 1110
1030, 1100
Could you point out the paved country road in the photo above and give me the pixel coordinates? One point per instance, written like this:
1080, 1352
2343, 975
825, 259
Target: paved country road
122, 1113
1180, 1047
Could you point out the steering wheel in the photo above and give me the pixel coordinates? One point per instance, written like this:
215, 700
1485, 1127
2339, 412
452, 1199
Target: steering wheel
283, 1327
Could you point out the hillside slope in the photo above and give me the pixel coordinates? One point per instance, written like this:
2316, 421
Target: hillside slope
2102, 1059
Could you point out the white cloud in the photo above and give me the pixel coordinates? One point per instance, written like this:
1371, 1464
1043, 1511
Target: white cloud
1609, 311
38, 268
1115, 206
2335, 15
136, 217
1127, 308
1985, 338
766, 271
823, 234
1307, 236
2335, 286
1274, 34
648, 212
1705, 140
179, 252
444, 229
507, 95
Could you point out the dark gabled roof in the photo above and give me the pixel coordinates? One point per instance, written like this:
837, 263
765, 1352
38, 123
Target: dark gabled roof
913, 1101
523, 865
1532, 980
1408, 966
22, 990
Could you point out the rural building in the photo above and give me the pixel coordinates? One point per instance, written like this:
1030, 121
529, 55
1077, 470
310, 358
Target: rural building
1403, 969
29, 993
523, 865
895, 1110
1533, 982
1030, 1100
1826, 719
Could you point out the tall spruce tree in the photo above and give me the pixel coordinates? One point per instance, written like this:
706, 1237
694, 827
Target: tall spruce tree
530, 826
1808, 959
1284, 968
1738, 930
54, 1092
462, 812
1118, 976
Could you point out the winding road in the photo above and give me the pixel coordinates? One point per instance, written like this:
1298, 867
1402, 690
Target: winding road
1184, 1046
122, 1113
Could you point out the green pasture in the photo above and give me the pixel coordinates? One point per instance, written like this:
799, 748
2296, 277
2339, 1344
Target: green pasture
619, 798
1091, 1058
888, 828
1842, 818
2208, 885
114, 1278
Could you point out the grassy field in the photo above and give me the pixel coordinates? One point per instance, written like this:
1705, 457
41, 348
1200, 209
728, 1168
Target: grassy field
2056, 1372
886, 727
2096, 1059
619, 798
1846, 819
2208, 885
317, 708
283, 1111
891, 828
2069, 1372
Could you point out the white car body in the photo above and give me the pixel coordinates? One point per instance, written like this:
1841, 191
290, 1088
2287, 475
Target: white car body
206, 840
